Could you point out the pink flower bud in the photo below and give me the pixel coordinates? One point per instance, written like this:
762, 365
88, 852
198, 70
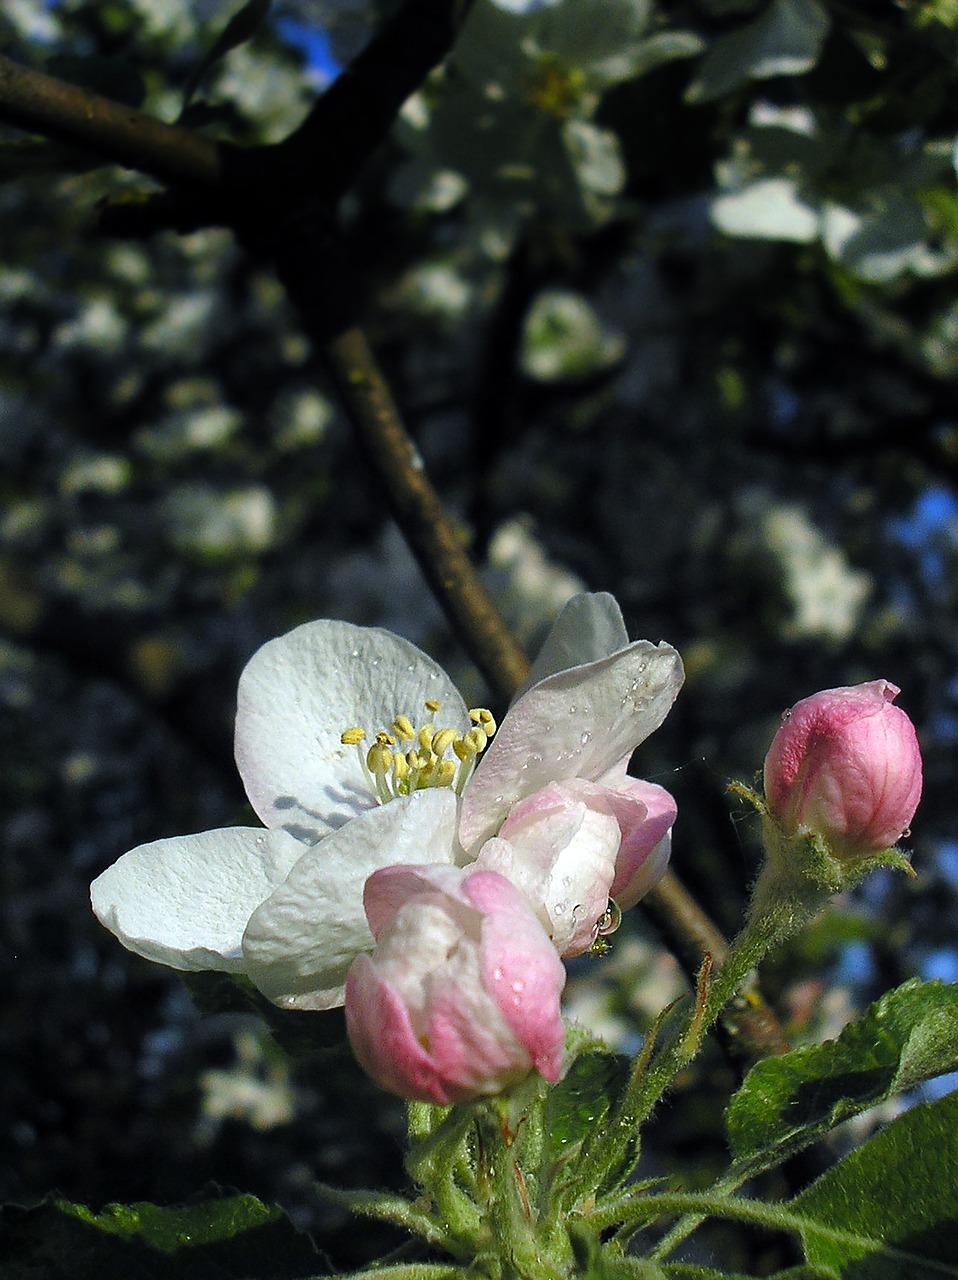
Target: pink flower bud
559, 847
645, 813
460, 998
845, 765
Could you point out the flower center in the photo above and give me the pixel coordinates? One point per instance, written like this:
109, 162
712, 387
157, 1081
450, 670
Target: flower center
405, 758
553, 86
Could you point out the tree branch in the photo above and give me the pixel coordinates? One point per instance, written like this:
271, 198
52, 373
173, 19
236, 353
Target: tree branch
119, 134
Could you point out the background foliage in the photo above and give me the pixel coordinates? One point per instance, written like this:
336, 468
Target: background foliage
667, 293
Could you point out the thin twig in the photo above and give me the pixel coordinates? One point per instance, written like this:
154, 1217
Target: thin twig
122, 135
435, 540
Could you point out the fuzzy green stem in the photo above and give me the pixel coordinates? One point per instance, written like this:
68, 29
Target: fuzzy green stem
645, 1209
778, 911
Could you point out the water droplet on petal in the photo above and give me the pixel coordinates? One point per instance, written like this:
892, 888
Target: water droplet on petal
518, 986
585, 738
905, 834
786, 715
497, 973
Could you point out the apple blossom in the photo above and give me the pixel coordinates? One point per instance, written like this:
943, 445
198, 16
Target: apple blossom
357, 752
845, 765
460, 997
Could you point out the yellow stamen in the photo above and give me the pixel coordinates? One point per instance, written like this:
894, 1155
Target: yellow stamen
393, 773
404, 729
379, 757
443, 740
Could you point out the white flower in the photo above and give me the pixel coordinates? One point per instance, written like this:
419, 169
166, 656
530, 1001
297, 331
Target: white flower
284, 905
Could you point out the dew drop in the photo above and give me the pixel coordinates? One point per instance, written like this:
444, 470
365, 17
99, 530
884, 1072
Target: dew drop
585, 738
518, 986
498, 800
905, 834
260, 839
573, 709
786, 715
354, 654
497, 973
558, 909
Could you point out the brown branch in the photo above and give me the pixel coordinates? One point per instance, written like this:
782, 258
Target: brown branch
352, 118
122, 135
436, 542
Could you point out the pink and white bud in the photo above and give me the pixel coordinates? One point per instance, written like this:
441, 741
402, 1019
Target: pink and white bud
460, 998
845, 765
559, 846
646, 814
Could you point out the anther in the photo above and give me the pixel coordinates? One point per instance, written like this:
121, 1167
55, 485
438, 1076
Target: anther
403, 727
442, 740
379, 757
426, 734
432, 705
385, 739
445, 773
352, 737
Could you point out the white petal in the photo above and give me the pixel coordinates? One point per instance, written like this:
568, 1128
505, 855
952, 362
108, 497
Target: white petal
297, 695
589, 627
299, 944
185, 901
575, 724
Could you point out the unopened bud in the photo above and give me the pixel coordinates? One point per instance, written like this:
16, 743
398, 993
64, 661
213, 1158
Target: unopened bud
845, 766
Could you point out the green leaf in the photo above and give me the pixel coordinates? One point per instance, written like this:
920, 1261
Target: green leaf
889, 1211
240, 28
580, 1102
910, 1035
785, 40
228, 1237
